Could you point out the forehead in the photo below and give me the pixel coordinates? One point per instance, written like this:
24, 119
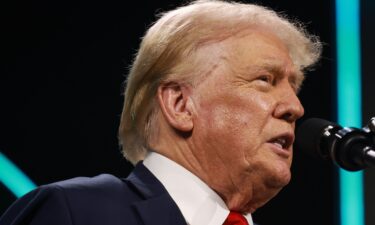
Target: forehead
257, 47
250, 50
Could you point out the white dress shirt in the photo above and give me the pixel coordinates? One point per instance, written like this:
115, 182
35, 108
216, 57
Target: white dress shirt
198, 203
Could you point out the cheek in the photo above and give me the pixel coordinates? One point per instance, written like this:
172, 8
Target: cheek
237, 122
240, 112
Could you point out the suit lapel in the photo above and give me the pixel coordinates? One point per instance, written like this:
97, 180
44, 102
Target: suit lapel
159, 210
157, 207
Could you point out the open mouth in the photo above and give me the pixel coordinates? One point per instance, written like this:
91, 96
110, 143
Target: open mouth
283, 141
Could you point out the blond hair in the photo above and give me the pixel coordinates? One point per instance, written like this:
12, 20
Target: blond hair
175, 37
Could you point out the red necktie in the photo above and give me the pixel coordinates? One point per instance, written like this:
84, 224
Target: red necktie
235, 218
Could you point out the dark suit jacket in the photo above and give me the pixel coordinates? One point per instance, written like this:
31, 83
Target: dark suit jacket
102, 200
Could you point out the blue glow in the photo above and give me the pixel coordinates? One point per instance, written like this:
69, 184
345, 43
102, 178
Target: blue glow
13, 178
349, 103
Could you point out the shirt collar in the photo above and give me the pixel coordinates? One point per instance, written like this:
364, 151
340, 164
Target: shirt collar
198, 203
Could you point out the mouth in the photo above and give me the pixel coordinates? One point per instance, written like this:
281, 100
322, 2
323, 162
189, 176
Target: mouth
283, 143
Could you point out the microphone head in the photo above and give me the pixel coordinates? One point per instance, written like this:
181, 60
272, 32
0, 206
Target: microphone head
308, 136
346, 147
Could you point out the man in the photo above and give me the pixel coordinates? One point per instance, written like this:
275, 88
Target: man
208, 120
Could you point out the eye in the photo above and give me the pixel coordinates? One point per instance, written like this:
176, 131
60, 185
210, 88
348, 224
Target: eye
266, 78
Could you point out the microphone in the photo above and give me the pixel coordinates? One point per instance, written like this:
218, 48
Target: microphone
350, 148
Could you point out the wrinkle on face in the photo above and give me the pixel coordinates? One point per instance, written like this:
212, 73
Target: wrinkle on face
234, 117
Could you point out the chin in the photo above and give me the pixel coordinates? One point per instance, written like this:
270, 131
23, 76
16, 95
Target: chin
280, 177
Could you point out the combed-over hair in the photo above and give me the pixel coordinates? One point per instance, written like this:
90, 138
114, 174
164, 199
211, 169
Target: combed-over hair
175, 36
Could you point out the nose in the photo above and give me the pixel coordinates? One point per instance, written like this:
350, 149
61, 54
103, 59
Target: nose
289, 107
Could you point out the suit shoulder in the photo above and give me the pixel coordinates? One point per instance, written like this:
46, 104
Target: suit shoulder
102, 181
103, 187
74, 201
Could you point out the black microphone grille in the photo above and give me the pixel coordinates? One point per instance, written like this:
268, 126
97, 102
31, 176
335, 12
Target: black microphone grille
308, 135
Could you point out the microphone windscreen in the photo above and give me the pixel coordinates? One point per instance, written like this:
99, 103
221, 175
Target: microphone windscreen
309, 134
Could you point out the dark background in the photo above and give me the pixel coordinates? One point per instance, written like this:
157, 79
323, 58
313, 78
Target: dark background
368, 93
61, 81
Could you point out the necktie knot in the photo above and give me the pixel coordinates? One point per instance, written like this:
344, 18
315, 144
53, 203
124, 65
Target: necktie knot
235, 218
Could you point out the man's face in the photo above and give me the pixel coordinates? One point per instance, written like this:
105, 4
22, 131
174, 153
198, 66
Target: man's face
245, 112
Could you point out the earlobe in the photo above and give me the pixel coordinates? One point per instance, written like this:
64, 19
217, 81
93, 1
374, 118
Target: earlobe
175, 103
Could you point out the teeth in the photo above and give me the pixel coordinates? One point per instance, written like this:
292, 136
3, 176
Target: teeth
280, 142
278, 145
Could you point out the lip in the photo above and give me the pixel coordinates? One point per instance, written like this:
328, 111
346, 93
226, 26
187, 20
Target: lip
286, 150
284, 153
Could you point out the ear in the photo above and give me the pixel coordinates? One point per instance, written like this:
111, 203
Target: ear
176, 104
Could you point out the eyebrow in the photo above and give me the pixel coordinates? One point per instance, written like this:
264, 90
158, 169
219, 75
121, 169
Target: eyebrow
296, 78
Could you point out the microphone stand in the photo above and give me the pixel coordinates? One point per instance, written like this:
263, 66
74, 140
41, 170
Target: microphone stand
350, 148
369, 152
361, 154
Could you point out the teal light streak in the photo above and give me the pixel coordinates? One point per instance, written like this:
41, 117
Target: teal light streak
13, 178
349, 103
